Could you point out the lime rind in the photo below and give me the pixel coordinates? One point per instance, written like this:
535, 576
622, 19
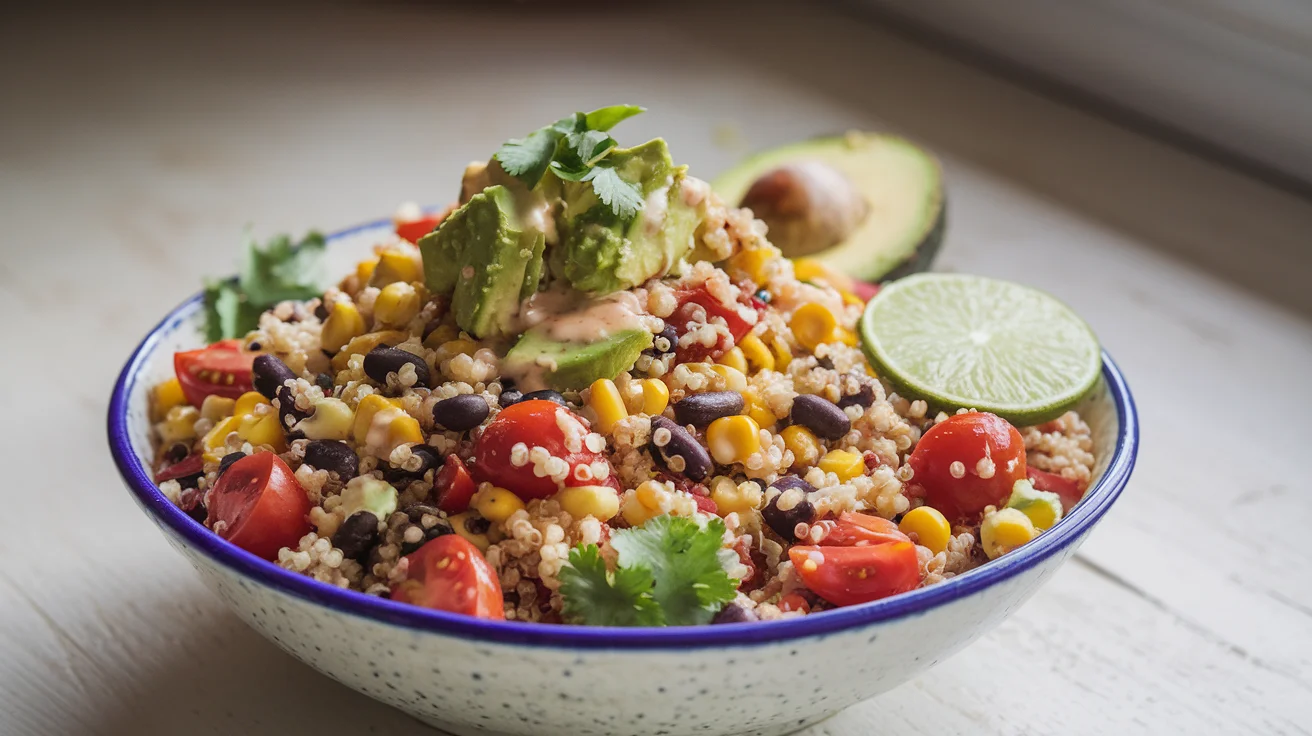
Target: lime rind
961, 341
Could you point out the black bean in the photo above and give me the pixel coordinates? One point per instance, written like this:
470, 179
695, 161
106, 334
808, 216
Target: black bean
672, 336
820, 416
228, 460
428, 459
694, 459
701, 409
269, 373
545, 394
864, 397
357, 534
191, 502
785, 522
460, 413
333, 456
732, 613
321, 311
325, 382
177, 452
417, 511
437, 530
383, 360
825, 363
288, 413
510, 397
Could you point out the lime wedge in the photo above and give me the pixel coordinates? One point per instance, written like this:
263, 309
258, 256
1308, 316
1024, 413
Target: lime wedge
968, 341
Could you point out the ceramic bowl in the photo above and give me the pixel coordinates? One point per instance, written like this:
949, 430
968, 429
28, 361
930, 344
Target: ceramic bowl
472, 676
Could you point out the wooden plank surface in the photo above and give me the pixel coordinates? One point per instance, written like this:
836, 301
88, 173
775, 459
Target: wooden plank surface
133, 150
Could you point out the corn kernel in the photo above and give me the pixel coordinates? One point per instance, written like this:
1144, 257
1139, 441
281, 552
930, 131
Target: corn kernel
846, 465
247, 402
755, 262
362, 344
734, 358
812, 325
803, 443
459, 346
402, 429
364, 270
397, 304
166, 396
332, 420
496, 504
928, 527
397, 264
344, 323
645, 502
216, 407
757, 410
733, 439
179, 424
846, 336
262, 430
1005, 530
734, 380
756, 353
605, 401
852, 299
655, 396
783, 355
601, 502
460, 523
731, 497
441, 334
364, 415
217, 436
1042, 507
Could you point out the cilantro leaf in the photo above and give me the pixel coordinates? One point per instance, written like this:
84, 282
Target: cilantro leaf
608, 117
280, 271
690, 583
527, 158
623, 198
596, 597
589, 144
570, 148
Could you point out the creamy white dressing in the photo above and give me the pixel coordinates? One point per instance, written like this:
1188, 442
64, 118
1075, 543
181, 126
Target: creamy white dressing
565, 315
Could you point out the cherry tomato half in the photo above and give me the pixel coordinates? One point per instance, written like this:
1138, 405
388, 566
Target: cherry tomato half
967, 439
535, 423
689, 300
1067, 490
450, 574
860, 530
453, 486
259, 506
413, 230
193, 464
222, 369
846, 576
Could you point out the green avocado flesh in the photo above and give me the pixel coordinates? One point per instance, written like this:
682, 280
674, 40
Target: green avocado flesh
568, 366
486, 259
900, 183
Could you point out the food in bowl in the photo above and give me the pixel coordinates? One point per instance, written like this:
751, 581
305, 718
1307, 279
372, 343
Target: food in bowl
592, 392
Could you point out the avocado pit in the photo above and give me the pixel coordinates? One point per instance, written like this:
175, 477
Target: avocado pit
808, 205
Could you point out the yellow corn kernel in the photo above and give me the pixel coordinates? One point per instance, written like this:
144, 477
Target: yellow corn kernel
397, 264
397, 304
460, 523
928, 527
812, 325
402, 429
605, 401
362, 344
441, 334
734, 380
262, 430
807, 269
496, 504
247, 402
731, 497
648, 500
756, 353
650, 493
734, 358
216, 407
846, 336
601, 502
1005, 530
756, 409
332, 420
459, 346
733, 439
846, 465
364, 415
364, 270
344, 323
783, 355
803, 443
217, 436
755, 262
166, 396
655, 396
179, 424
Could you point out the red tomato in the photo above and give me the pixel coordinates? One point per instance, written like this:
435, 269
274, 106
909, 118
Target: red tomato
846, 576
706, 504
222, 369
689, 299
413, 230
259, 506
968, 438
535, 423
860, 530
453, 486
1068, 490
794, 602
191, 465
450, 574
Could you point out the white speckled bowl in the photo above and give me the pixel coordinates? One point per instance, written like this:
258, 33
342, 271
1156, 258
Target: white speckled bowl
472, 676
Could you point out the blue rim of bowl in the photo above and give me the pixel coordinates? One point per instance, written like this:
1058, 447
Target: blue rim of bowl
137, 478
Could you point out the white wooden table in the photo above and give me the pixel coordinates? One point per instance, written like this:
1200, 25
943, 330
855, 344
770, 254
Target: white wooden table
134, 150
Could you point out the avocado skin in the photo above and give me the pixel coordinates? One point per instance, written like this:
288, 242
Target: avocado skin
577, 365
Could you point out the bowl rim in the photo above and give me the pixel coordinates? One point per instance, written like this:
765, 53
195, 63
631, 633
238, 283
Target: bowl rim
173, 521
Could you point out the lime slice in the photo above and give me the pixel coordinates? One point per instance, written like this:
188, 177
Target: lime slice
968, 341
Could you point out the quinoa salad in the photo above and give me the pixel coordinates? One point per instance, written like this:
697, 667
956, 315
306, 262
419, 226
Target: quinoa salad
591, 391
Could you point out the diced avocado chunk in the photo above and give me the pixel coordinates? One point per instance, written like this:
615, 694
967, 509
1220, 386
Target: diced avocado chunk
366, 493
487, 259
600, 252
568, 365
1042, 507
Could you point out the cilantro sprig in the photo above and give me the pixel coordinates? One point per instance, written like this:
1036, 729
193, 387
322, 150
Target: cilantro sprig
670, 573
575, 148
279, 271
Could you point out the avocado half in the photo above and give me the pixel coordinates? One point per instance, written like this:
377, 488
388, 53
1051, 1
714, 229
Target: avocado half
901, 184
